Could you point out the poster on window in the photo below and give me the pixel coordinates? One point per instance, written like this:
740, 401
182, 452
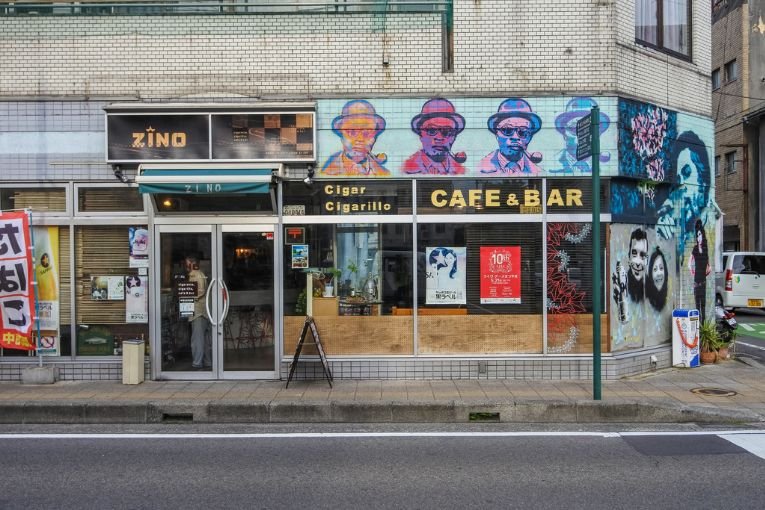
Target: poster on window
49, 345
46, 271
136, 302
139, 246
445, 276
16, 291
299, 256
500, 275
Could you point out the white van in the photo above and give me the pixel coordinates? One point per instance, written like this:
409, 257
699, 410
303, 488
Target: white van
742, 280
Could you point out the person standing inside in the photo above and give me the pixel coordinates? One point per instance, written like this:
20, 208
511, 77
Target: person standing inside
201, 348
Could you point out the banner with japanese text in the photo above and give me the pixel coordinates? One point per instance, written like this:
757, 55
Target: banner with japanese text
16, 291
500, 274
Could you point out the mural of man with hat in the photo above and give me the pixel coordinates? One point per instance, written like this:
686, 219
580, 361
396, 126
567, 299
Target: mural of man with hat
565, 124
358, 126
437, 125
514, 125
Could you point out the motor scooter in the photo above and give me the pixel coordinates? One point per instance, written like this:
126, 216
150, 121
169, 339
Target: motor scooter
725, 322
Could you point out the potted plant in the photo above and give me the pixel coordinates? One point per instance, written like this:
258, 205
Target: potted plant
727, 341
709, 340
331, 276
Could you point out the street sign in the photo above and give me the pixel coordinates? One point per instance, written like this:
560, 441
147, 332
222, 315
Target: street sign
584, 138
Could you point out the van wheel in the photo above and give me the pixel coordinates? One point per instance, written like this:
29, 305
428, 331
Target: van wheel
718, 300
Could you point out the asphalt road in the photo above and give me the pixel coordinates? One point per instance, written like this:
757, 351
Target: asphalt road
574, 469
751, 334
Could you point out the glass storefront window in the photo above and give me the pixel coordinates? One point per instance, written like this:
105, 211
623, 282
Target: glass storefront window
106, 200
38, 199
354, 279
111, 289
479, 288
53, 274
569, 289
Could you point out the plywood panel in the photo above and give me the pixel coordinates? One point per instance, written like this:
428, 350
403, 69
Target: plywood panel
572, 333
480, 334
348, 335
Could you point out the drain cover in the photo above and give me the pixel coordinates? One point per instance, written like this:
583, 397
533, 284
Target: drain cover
714, 392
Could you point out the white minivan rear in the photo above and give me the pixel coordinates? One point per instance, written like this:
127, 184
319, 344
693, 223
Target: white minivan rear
742, 281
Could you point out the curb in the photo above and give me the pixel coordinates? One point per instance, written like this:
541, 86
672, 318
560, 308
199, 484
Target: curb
283, 411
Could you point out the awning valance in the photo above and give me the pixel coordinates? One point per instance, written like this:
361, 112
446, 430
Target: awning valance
205, 179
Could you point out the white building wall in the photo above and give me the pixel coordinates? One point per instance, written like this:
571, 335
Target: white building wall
501, 47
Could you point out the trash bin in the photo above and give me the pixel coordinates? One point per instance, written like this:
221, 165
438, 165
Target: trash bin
685, 338
132, 361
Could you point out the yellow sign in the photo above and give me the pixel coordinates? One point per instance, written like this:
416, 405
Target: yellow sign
528, 201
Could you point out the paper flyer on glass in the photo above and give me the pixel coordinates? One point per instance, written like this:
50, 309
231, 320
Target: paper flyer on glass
299, 256
17, 299
445, 276
500, 275
136, 302
139, 246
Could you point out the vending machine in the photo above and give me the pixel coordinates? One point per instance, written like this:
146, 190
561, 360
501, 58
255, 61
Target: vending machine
685, 338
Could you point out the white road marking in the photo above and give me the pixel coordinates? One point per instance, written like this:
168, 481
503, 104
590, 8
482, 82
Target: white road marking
327, 435
750, 345
746, 327
754, 444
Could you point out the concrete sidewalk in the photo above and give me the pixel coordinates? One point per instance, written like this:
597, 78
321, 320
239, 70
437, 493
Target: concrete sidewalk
664, 396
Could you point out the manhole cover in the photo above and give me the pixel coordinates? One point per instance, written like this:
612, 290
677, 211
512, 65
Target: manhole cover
714, 392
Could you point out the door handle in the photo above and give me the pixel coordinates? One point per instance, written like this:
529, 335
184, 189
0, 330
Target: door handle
226, 301
207, 299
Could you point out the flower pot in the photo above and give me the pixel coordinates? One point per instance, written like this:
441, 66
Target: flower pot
708, 357
723, 353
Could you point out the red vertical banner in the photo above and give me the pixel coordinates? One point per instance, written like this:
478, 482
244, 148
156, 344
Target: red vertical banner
17, 296
501, 275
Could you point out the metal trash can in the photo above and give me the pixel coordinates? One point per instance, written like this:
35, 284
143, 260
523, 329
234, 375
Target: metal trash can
132, 361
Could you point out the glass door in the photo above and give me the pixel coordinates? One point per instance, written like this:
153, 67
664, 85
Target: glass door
215, 301
188, 301
246, 326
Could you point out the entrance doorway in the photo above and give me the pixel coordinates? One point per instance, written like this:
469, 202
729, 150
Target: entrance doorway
216, 300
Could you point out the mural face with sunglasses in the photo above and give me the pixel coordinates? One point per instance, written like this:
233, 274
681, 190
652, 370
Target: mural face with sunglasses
437, 125
514, 125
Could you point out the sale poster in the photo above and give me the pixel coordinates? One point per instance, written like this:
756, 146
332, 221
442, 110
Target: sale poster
500, 275
16, 292
445, 276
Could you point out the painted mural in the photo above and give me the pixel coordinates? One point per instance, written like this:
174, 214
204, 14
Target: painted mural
642, 287
475, 137
662, 240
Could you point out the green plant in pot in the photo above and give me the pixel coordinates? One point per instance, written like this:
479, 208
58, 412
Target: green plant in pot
709, 339
727, 343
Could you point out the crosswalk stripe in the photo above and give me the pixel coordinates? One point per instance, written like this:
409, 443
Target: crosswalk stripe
753, 443
747, 327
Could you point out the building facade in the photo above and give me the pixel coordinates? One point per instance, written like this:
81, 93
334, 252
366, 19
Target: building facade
738, 104
206, 178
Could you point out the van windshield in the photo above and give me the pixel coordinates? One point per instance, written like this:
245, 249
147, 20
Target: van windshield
749, 264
